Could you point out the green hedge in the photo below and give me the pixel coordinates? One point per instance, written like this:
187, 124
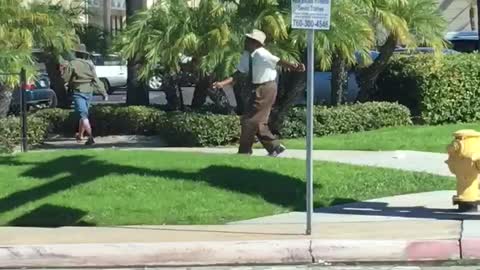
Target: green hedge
436, 90
10, 130
106, 120
347, 119
200, 129
193, 129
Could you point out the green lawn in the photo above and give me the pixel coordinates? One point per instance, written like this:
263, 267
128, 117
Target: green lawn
420, 138
124, 188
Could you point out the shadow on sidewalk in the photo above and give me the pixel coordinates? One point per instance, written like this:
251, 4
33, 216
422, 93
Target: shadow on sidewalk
384, 210
71, 171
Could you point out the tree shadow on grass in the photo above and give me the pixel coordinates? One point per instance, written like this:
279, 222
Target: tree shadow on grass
76, 170
49, 215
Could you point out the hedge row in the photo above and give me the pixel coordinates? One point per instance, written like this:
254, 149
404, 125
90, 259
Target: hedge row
10, 133
195, 129
346, 119
436, 90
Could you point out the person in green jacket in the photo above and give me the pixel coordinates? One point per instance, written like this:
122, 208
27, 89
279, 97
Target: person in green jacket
82, 81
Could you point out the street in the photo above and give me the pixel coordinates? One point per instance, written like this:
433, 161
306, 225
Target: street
157, 97
307, 267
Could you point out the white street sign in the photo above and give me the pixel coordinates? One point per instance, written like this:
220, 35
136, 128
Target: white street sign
311, 14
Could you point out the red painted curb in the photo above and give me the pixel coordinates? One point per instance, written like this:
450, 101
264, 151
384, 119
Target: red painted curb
226, 253
386, 250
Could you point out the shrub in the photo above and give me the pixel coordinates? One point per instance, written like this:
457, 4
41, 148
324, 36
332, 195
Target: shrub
140, 120
105, 120
10, 130
58, 121
192, 129
347, 119
437, 90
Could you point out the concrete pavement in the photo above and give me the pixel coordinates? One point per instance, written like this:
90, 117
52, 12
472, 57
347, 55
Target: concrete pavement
420, 227
433, 163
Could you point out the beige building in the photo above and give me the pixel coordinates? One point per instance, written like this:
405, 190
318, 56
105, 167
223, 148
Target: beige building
458, 14
111, 14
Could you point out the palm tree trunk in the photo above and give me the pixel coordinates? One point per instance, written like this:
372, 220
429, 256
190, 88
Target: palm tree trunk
5, 100
367, 76
471, 14
107, 15
338, 81
292, 86
203, 90
200, 92
137, 93
56, 81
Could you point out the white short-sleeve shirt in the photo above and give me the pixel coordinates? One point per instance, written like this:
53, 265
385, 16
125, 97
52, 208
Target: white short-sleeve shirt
264, 65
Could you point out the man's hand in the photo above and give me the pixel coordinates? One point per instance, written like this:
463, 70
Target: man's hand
105, 98
300, 67
218, 85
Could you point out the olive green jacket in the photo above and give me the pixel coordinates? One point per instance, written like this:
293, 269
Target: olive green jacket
80, 76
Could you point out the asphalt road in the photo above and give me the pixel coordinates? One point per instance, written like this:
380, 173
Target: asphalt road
158, 97
308, 267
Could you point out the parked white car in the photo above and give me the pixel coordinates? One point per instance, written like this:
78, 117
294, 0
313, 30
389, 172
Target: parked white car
111, 70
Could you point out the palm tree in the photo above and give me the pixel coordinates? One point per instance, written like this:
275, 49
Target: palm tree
57, 39
23, 27
408, 22
212, 34
136, 92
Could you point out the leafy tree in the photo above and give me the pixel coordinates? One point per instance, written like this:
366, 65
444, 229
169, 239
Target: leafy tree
24, 27
411, 23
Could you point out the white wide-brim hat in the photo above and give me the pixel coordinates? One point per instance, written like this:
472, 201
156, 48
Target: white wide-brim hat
257, 35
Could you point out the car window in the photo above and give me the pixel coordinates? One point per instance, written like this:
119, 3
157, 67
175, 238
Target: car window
107, 60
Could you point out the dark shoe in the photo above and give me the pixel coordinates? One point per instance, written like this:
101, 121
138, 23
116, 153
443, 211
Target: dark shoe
90, 141
280, 149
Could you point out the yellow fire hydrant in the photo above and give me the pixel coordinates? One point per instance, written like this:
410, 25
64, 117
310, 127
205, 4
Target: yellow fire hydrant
464, 162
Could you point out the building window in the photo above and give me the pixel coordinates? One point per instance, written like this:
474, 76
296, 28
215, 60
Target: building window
118, 4
93, 3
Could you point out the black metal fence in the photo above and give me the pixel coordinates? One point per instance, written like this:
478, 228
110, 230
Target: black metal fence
23, 107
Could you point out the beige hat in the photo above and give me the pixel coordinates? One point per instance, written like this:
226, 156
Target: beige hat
81, 48
257, 35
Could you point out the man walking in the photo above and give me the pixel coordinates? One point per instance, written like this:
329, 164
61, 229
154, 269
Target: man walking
82, 81
261, 67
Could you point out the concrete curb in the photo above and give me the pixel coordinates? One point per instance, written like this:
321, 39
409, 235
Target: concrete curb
226, 253
470, 242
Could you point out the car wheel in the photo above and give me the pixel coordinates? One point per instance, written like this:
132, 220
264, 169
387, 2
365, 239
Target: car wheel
53, 102
155, 83
107, 86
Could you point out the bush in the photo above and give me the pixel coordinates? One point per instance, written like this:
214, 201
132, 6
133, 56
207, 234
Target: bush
58, 121
192, 129
188, 129
346, 119
437, 91
105, 120
10, 130
109, 120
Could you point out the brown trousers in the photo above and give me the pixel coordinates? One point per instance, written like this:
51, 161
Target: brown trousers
255, 119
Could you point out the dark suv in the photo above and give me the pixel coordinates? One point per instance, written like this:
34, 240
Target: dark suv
38, 94
463, 41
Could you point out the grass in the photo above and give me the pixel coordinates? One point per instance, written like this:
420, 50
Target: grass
135, 187
419, 138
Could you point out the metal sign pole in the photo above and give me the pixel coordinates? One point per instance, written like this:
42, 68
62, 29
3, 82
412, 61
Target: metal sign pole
23, 109
309, 142
310, 15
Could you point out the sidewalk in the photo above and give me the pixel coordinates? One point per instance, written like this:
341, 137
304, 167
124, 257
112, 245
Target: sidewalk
418, 227
433, 163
